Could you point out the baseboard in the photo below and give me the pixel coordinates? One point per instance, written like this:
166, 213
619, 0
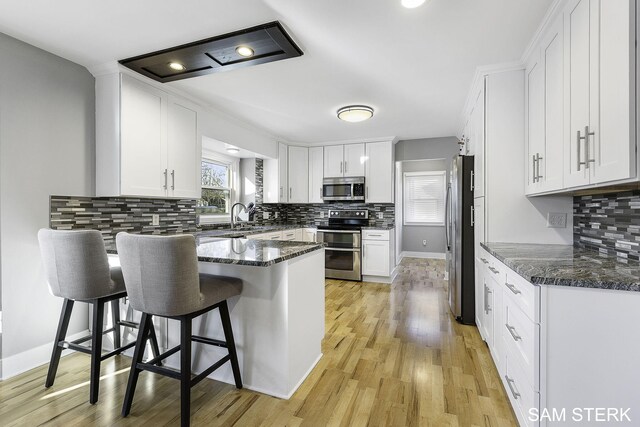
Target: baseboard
27, 360
428, 255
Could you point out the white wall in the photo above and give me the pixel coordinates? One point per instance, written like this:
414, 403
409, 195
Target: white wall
47, 138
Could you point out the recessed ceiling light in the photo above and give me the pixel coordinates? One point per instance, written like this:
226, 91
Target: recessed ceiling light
177, 66
233, 150
245, 51
410, 4
355, 113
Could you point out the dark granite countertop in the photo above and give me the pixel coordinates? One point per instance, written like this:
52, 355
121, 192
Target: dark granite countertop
240, 232
257, 253
386, 227
565, 265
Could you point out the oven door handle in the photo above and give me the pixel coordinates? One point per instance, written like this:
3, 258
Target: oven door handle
339, 231
328, 248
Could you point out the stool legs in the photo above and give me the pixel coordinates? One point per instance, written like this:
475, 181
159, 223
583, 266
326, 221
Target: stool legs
63, 325
138, 353
96, 350
115, 318
185, 372
231, 344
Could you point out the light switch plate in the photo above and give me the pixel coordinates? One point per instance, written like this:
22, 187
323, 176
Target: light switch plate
155, 219
321, 214
380, 215
276, 215
265, 215
556, 220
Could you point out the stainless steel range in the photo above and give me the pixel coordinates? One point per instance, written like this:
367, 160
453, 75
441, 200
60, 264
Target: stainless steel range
343, 256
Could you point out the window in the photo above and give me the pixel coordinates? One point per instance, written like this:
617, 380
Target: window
216, 191
424, 194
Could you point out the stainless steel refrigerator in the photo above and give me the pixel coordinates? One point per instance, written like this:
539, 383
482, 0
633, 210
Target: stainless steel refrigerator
459, 222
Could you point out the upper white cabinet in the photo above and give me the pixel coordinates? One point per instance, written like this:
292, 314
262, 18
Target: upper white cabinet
379, 172
544, 110
275, 182
344, 160
147, 142
283, 163
298, 174
316, 174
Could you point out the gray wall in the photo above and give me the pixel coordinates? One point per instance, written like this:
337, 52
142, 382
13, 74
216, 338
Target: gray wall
428, 154
47, 133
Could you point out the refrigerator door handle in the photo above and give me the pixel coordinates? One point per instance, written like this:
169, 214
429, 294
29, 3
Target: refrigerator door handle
447, 214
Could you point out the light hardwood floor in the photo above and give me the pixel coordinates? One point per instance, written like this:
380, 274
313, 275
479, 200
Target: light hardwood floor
393, 356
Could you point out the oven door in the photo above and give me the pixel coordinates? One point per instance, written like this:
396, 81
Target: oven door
342, 263
337, 191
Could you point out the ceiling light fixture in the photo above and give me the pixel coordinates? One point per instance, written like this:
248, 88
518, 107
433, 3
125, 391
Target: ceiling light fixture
177, 66
355, 113
411, 4
233, 150
245, 51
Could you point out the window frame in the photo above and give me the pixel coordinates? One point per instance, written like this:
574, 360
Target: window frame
233, 165
405, 200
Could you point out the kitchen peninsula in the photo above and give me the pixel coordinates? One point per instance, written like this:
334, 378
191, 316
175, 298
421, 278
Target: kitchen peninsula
278, 320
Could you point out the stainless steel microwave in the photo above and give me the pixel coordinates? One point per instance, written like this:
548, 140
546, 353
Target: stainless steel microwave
349, 189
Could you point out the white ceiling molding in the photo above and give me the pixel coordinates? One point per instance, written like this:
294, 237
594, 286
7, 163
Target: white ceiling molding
546, 21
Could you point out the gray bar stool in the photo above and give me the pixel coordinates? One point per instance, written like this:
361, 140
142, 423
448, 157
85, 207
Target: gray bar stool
77, 269
162, 279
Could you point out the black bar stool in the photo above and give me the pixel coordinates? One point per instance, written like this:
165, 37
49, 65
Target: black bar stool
162, 279
77, 269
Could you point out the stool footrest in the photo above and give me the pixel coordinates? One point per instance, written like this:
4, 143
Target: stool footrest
117, 350
128, 324
202, 375
75, 347
209, 341
163, 356
168, 372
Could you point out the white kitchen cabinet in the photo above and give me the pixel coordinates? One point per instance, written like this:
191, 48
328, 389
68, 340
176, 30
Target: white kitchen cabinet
600, 61
147, 142
316, 174
298, 174
309, 235
273, 235
534, 110
354, 160
344, 160
275, 174
283, 163
379, 169
378, 255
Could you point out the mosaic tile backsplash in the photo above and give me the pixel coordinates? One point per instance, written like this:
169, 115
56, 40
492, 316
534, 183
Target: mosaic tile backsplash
113, 215
608, 223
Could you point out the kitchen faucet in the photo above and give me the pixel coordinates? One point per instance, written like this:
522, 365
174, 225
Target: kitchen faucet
235, 218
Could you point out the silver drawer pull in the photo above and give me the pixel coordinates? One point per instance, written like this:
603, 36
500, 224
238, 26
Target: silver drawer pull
511, 383
484, 260
494, 271
513, 288
513, 333
374, 235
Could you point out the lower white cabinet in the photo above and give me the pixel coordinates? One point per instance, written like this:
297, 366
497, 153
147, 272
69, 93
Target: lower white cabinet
294, 234
309, 235
378, 253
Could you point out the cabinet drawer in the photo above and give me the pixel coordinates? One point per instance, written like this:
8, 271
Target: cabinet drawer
496, 270
375, 234
524, 294
289, 235
521, 395
521, 337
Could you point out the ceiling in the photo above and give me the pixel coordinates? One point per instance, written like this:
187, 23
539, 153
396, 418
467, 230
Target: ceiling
413, 66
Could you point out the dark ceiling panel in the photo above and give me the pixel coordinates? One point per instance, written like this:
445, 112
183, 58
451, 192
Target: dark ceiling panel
269, 42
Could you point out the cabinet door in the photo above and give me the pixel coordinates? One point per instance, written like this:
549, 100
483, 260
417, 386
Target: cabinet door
534, 103
550, 167
283, 194
487, 321
298, 175
477, 135
143, 139
185, 151
479, 286
333, 163
316, 174
375, 257
577, 32
613, 96
354, 160
379, 172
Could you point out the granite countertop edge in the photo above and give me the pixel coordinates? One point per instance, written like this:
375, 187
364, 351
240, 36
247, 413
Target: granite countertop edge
269, 263
522, 268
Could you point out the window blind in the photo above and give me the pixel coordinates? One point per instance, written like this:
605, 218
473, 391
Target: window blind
424, 194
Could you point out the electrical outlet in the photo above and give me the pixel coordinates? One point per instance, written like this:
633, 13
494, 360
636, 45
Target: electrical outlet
265, 215
276, 215
424, 242
155, 219
380, 215
321, 214
556, 220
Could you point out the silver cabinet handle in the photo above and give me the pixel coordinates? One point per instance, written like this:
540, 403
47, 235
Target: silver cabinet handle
173, 179
587, 150
535, 176
345, 166
486, 297
166, 173
578, 139
513, 333
494, 271
489, 292
473, 217
513, 288
281, 192
484, 260
321, 192
511, 383
367, 191
374, 235
472, 179
340, 167
290, 192
538, 176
